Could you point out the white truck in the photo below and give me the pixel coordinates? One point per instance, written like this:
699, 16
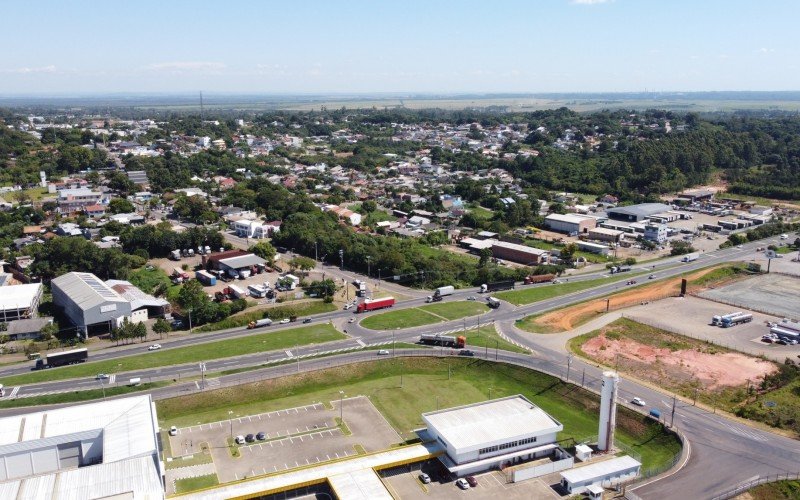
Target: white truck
440, 293
717, 320
690, 257
736, 320
259, 323
175, 255
257, 291
237, 292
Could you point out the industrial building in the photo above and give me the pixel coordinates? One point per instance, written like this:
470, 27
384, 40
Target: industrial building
99, 450
570, 223
486, 435
636, 213
606, 473
19, 301
75, 200
605, 234
89, 302
240, 265
521, 254
655, 232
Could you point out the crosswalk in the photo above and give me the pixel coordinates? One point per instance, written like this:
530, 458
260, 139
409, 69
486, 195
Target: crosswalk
112, 378
744, 432
14, 392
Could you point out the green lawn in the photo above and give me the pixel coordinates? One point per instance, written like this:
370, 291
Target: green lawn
195, 483
488, 338
77, 396
780, 490
147, 280
274, 313
536, 293
720, 274
424, 315
425, 386
267, 341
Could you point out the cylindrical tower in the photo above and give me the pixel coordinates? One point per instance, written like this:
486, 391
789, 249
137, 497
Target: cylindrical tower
608, 411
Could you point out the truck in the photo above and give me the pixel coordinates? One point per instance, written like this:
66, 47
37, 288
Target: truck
736, 320
493, 302
62, 358
205, 278
539, 278
443, 340
497, 286
259, 323
620, 269
440, 293
361, 288
257, 291
180, 273
717, 320
237, 292
690, 257
175, 255
373, 304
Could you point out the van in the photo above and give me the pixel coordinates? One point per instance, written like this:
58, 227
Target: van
135, 381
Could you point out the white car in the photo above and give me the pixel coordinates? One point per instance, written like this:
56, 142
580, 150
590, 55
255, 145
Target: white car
462, 483
173, 431
240, 439
154, 347
383, 352
284, 321
351, 320
101, 376
638, 402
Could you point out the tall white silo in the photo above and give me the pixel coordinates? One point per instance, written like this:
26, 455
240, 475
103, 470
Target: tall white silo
608, 411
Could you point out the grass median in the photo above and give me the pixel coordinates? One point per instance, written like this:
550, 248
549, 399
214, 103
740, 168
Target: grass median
424, 386
424, 315
262, 342
537, 293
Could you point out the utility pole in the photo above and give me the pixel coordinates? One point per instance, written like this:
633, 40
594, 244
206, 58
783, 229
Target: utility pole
341, 258
202, 375
369, 262
569, 365
672, 417
316, 253
583, 377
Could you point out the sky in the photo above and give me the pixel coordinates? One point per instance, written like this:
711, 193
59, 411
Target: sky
77, 47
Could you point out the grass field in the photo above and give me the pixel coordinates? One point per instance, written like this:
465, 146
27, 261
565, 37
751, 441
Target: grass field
274, 313
267, 341
425, 386
148, 279
721, 274
424, 315
536, 293
488, 338
195, 483
779, 490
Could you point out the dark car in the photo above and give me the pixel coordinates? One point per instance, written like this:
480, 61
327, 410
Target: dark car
472, 481
249, 438
466, 352
307, 320
261, 436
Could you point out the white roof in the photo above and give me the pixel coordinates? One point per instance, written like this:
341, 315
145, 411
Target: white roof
604, 230
360, 484
495, 421
18, 296
86, 290
520, 248
570, 218
134, 295
600, 469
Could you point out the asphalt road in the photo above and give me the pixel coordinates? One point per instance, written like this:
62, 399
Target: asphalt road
723, 452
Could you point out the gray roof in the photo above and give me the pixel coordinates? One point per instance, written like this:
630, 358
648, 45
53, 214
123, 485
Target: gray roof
27, 325
641, 210
86, 290
242, 261
136, 297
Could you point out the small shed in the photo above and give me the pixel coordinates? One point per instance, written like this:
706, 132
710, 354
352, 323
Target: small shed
583, 452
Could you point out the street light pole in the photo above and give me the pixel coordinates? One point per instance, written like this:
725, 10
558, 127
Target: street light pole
569, 365
230, 418
341, 407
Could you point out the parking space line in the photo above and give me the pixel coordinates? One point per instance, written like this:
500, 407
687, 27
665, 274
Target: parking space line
301, 439
329, 457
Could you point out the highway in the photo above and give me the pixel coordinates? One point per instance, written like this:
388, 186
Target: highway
723, 452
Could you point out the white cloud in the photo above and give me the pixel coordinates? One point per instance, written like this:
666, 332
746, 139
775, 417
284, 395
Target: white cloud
765, 50
181, 66
25, 71
589, 2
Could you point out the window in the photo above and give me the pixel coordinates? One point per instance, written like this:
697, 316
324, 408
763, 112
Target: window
504, 446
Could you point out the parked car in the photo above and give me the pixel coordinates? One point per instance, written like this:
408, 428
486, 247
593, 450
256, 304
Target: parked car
261, 436
767, 340
101, 376
249, 438
463, 484
424, 478
154, 347
383, 352
173, 431
177, 324
240, 439
638, 401
472, 481
781, 342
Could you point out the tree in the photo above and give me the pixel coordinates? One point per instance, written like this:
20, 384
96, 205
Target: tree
568, 252
48, 331
305, 264
161, 326
120, 206
192, 296
323, 289
368, 206
265, 250
485, 254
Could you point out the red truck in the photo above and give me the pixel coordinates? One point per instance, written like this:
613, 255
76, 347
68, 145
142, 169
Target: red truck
371, 305
539, 278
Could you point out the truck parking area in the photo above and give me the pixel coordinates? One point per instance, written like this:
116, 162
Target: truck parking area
295, 437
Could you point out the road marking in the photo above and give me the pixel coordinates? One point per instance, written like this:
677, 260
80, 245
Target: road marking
361, 343
14, 392
288, 353
112, 378
197, 384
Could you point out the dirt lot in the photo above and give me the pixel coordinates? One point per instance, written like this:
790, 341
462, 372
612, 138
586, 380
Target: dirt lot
695, 316
295, 437
769, 293
669, 360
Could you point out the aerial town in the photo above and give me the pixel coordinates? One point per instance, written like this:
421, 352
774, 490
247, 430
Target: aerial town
258, 270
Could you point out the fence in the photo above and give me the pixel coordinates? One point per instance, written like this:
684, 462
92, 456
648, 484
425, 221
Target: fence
755, 481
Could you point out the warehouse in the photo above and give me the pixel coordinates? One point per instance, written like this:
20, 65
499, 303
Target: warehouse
519, 253
486, 435
87, 301
570, 223
588, 246
143, 305
636, 213
606, 473
19, 301
107, 449
241, 266
604, 234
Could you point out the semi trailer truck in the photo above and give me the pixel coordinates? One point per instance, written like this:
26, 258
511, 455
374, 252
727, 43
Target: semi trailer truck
730, 321
371, 305
443, 340
717, 320
539, 278
497, 286
56, 359
440, 293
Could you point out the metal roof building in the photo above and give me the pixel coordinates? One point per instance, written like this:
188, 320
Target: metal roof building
19, 301
635, 213
605, 473
480, 436
86, 300
84, 451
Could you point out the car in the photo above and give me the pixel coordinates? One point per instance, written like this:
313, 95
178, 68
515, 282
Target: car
471, 297
781, 342
176, 324
651, 277
472, 481
101, 376
351, 320
767, 340
383, 352
261, 436
154, 347
463, 484
239, 439
424, 478
283, 321
466, 352
347, 306
173, 431
638, 401
307, 320
249, 438
738, 246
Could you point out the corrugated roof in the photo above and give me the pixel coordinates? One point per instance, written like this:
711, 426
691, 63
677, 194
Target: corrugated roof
86, 290
135, 296
641, 210
243, 261
18, 296
494, 421
569, 218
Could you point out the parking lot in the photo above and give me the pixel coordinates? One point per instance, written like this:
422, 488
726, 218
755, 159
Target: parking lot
691, 316
769, 293
404, 483
295, 437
